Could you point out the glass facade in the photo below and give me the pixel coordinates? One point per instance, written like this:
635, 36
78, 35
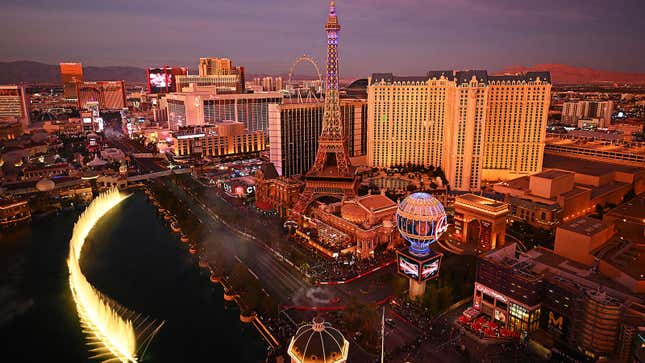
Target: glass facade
252, 111
300, 128
520, 319
176, 113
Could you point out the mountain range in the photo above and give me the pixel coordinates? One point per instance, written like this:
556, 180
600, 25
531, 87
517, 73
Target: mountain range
35, 72
565, 74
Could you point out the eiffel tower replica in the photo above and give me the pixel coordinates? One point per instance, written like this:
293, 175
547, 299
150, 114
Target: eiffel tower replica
332, 173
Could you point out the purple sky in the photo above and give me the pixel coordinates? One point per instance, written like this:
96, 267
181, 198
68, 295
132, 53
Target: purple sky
404, 37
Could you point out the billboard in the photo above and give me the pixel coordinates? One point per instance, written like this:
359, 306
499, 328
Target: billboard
408, 267
162, 80
418, 268
430, 268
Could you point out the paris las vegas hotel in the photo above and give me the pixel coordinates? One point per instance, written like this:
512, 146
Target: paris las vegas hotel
474, 125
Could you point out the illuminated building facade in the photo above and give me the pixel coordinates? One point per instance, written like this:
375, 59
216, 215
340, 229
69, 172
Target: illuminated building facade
13, 212
222, 66
294, 129
14, 105
223, 83
474, 125
480, 221
222, 139
560, 304
110, 95
369, 221
274, 192
572, 190
71, 74
197, 106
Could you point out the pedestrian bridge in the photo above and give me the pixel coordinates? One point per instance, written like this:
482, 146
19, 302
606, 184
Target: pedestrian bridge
159, 174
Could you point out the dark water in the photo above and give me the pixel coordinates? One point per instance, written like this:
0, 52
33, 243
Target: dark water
132, 257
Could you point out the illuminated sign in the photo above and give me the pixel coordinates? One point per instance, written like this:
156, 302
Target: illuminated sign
162, 80
408, 267
430, 269
87, 120
422, 269
191, 136
554, 322
490, 292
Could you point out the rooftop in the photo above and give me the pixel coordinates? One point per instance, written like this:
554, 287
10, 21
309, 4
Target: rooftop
585, 225
461, 77
589, 167
633, 209
608, 147
552, 174
376, 202
625, 255
482, 202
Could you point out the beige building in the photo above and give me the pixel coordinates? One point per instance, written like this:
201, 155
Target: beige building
569, 188
228, 138
14, 105
196, 106
572, 112
221, 67
214, 66
473, 125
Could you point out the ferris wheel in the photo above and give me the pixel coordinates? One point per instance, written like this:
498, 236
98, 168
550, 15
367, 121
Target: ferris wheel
310, 96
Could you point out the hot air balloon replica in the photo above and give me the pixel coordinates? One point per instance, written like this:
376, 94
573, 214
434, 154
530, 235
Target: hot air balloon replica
421, 219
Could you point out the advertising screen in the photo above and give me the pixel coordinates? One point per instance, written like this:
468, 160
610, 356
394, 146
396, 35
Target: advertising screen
408, 267
430, 269
162, 80
159, 80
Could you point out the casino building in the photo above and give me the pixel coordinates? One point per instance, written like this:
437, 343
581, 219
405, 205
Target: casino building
221, 139
474, 125
558, 305
294, 129
197, 106
110, 95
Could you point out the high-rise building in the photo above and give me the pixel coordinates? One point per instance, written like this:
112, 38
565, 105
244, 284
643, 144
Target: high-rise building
71, 74
279, 86
222, 67
293, 135
223, 83
294, 129
469, 123
197, 106
14, 105
515, 126
215, 66
109, 94
267, 84
222, 139
574, 111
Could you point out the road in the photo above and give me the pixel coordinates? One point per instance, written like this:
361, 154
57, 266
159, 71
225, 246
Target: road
279, 279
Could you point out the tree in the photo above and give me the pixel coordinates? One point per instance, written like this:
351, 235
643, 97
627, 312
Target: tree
630, 194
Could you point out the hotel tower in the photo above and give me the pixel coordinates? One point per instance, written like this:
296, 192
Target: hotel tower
473, 125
